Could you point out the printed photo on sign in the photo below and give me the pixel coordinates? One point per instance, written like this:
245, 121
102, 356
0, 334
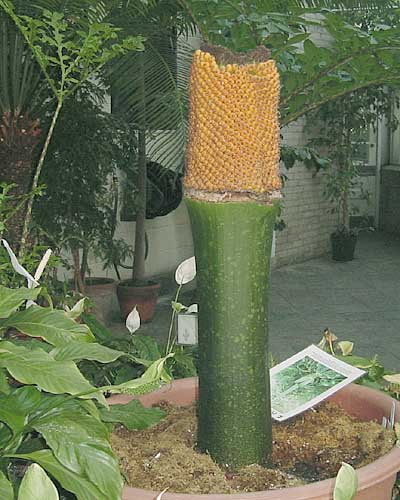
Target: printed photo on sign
306, 379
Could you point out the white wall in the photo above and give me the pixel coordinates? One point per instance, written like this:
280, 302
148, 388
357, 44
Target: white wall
170, 242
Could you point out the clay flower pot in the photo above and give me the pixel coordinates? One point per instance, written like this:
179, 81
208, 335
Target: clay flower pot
376, 480
144, 297
102, 291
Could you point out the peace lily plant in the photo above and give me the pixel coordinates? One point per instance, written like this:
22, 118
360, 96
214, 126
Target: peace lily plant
49, 413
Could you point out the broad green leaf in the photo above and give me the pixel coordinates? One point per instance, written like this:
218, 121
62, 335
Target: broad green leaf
357, 361
5, 435
101, 333
39, 368
146, 347
80, 443
149, 381
36, 485
32, 344
62, 403
15, 407
133, 415
80, 486
52, 325
6, 489
75, 351
11, 299
346, 483
4, 386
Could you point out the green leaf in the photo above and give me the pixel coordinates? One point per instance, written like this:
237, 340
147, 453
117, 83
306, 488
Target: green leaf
147, 382
15, 407
346, 483
80, 443
6, 489
357, 361
133, 415
4, 386
5, 435
36, 485
75, 351
39, 368
80, 486
101, 333
52, 325
146, 347
178, 307
11, 299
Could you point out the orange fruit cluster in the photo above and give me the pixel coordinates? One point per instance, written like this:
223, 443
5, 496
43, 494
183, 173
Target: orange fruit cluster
234, 128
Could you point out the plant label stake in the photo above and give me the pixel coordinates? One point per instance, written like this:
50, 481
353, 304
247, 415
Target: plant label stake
187, 329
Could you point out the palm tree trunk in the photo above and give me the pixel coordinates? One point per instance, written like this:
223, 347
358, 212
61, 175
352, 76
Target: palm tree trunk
138, 270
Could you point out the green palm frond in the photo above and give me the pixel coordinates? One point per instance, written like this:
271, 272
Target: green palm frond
21, 82
288, 5
341, 4
161, 107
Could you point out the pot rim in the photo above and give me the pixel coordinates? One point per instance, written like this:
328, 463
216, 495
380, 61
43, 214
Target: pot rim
99, 281
124, 284
378, 471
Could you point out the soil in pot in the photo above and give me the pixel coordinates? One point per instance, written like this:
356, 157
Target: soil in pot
308, 448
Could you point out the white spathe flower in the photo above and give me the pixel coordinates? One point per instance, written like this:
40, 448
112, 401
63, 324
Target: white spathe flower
159, 497
133, 321
42, 264
77, 310
32, 283
194, 308
346, 347
186, 271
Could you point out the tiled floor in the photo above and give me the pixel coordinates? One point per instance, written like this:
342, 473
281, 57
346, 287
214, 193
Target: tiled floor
358, 301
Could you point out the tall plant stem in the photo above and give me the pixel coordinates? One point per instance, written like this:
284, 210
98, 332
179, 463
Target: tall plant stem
35, 183
170, 344
140, 232
232, 246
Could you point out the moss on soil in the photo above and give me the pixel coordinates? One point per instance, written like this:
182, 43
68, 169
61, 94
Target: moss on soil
307, 448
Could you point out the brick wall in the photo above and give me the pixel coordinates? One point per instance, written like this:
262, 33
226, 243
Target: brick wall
305, 211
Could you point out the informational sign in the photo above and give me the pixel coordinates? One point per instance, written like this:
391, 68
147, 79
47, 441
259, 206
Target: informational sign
305, 379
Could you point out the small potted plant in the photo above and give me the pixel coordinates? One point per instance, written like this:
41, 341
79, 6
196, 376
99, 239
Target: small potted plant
344, 128
341, 180
163, 195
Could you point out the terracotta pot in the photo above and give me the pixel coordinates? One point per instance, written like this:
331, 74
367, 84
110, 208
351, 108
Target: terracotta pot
144, 297
102, 291
376, 480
